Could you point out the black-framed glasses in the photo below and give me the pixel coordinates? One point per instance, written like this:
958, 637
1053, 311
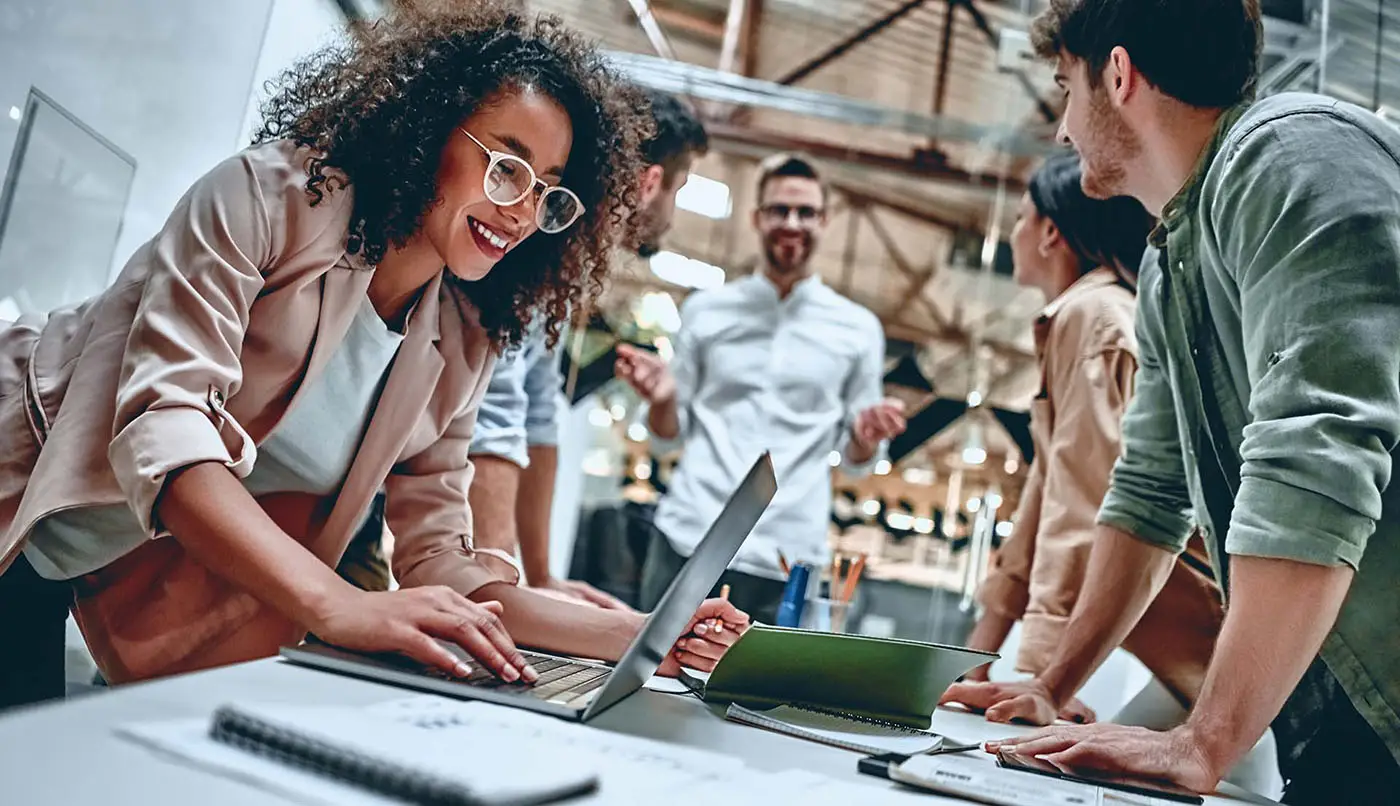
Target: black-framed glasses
509, 180
779, 213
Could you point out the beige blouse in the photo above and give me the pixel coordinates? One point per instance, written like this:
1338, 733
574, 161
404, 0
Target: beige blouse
1088, 356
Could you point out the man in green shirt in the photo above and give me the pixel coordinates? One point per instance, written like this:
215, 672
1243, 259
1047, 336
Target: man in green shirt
1267, 404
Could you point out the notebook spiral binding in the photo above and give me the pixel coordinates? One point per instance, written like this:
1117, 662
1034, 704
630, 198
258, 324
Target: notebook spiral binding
869, 720
414, 786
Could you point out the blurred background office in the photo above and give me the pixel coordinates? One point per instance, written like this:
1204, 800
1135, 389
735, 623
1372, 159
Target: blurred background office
925, 115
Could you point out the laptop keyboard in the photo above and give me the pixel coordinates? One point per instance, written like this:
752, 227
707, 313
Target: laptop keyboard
562, 682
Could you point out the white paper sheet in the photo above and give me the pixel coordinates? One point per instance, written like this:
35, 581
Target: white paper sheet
515, 744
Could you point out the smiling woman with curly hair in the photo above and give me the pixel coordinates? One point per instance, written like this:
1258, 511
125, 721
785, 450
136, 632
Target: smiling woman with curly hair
184, 457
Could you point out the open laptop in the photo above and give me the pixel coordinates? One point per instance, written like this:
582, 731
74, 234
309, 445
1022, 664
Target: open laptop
572, 689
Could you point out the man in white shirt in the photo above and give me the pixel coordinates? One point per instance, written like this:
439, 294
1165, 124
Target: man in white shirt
776, 361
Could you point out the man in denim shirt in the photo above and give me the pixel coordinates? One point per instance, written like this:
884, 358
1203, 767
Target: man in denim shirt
1268, 399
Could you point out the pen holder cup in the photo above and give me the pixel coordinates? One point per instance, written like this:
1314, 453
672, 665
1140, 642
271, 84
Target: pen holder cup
825, 615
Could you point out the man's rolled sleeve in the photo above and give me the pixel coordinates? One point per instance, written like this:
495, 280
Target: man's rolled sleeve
1316, 247
500, 425
543, 382
1148, 497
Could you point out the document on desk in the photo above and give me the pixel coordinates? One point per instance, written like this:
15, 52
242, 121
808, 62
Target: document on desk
339, 755
977, 780
502, 744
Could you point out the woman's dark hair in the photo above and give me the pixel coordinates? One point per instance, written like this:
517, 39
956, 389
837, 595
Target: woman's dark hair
1110, 232
380, 110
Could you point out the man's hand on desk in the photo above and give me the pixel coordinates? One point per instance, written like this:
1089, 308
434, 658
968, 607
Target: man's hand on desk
1175, 755
714, 628
1026, 701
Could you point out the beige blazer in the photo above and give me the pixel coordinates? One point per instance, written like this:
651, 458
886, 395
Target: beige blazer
1088, 356
193, 355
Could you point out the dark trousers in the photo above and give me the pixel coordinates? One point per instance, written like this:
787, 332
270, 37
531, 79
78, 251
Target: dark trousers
33, 615
1327, 752
757, 596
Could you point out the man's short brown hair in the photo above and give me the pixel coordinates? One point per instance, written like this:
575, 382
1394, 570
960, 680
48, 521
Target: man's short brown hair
1204, 53
783, 164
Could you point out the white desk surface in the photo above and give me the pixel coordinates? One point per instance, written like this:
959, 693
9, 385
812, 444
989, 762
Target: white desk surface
68, 754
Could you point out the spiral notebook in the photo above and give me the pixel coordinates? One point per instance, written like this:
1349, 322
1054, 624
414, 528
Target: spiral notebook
862, 735
395, 760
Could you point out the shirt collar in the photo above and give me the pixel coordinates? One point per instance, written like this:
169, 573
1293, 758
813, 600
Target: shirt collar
1098, 278
801, 289
1184, 202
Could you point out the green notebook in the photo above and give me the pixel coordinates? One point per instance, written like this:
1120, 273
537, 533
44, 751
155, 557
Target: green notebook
883, 680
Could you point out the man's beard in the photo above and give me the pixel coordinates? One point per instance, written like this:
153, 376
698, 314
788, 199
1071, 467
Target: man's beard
649, 230
1112, 145
781, 264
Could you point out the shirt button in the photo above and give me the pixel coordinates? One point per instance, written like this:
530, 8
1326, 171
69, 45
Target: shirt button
1181, 265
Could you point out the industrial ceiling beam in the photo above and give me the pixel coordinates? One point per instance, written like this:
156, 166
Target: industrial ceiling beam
652, 29
682, 23
753, 26
840, 48
902, 265
945, 53
980, 20
733, 31
722, 133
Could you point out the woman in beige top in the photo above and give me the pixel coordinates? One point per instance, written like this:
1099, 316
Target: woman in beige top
1083, 254
184, 457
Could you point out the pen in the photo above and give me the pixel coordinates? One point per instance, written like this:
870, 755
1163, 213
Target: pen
852, 578
783, 564
955, 748
717, 624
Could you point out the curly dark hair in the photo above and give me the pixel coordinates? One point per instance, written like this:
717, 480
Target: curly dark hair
380, 109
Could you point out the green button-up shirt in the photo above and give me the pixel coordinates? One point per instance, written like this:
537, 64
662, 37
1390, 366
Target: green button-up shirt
1268, 393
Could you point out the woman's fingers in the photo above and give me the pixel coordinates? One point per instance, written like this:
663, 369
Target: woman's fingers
423, 648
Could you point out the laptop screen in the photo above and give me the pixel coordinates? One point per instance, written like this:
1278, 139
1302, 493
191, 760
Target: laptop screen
690, 587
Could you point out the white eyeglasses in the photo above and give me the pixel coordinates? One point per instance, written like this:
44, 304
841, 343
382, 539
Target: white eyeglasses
510, 179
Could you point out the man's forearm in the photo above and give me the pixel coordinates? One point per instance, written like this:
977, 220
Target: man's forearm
492, 499
1280, 612
554, 625
990, 632
663, 419
533, 503
1124, 576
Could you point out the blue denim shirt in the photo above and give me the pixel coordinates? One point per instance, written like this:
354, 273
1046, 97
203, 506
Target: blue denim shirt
521, 406
1268, 394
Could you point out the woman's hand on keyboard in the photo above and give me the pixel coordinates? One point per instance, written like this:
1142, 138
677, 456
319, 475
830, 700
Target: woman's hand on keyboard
412, 620
712, 631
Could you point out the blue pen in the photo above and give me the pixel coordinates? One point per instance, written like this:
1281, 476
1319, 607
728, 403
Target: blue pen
794, 596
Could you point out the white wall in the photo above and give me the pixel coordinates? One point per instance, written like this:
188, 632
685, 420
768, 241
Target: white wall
295, 28
167, 81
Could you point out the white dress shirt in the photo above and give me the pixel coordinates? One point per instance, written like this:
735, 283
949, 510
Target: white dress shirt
753, 373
